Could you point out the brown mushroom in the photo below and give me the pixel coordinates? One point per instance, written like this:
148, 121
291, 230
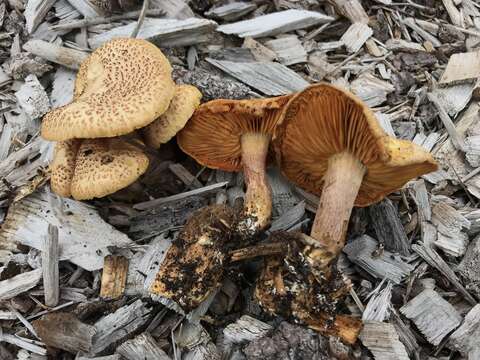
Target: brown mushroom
63, 166
104, 166
329, 142
232, 135
193, 265
123, 85
185, 101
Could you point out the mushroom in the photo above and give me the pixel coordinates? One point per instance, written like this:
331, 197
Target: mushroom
63, 166
232, 135
329, 142
123, 85
193, 265
104, 166
185, 101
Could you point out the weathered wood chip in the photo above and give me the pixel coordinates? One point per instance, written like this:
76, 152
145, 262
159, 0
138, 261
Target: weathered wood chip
371, 89
275, 23
232, 11
433, 316
461, 67
288, 49
114, 276
356, 35
469, 267
32, 98
270, 78
142, 347
18, 284
61, 55
465, 338
245, 329
382, 340
451, 226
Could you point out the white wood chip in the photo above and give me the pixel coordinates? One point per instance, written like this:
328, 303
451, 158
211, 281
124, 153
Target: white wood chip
275, 23
288, 50
371, 89
466, 338
232, 11
35, 11
382, 340
356, 35
142, 347
32, 98
63, 85
245, 329
18, 284
461, 67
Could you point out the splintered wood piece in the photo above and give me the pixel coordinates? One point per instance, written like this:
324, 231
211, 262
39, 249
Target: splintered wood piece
245, 329
165, 32
259, 51
403, 45
69, 58
454, 98
114, 277
33, 98
232, 11
270, 78
64, 331
411, 23
435, 260
469, 267
420, 197
388, 227
83, 236
257, 250
35, 12
119, 325
385, 265
382, 340
62, 88
451, 225
275, 23
175, 9
356, 35
23, 343
465, 338
453, 13
433, 316
461, 67
371, 89
18, 284
473, 150
142, 347
86, 8
50, 267
351, 9
378, 307
288, 49
183, 174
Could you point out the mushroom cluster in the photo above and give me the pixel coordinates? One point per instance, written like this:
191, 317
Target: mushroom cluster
123, 86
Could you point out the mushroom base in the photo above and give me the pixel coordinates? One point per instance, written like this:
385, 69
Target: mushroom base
288, 287
341, 184
258, 197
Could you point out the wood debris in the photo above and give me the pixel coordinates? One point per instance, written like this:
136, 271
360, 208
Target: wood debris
464, 67
32, 98
288, 50
434, 316
50, 267
356, 35
232, 11
464, 339
382, 340
142, 347
114, 276
275, 23
18, 284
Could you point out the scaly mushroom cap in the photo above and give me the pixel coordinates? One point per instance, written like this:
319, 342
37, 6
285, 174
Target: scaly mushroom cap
104, 166
181, 108
123, 85
212, 136
323, 120
63, 166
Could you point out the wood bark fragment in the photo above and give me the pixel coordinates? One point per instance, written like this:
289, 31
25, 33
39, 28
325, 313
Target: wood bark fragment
50, 260
114, 277
433, 316
64, 331
69, 58
382, 340
269, 78
275, 23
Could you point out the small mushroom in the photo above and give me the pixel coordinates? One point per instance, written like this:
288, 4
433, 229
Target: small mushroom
63, 166
193, 265
287, 286
123, 85
104, 166
329, 142
185, 101
232, 135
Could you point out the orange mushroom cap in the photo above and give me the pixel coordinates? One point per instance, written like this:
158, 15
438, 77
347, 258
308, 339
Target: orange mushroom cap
63, 166
212, 136
323, 120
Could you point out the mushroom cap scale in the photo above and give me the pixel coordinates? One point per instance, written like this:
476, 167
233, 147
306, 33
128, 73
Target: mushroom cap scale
324, 120
104, 166
185, 101
213, 134
63, 166
123, 85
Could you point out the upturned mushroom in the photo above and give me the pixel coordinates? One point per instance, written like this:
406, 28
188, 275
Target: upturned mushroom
185, 101
329, 142
232, 135
123, 85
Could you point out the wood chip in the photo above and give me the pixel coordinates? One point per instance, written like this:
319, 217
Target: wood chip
69, 58
35, 12
84, 237
64, 331
454, 98
232, 11
275, 23
403, 45
269, 78
433, 316
356, 35
63, 84
32, 98
245, 329
288, 50
382, 340
50, 267
142, 347
371, 89
378, 307
462, 67
469, 267
465, 338
351, 9
163, 32
259, 51
18, 284
386, 265
114, 277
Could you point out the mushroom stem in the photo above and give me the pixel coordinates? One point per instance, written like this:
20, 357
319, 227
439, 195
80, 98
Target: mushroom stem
258, 197
342, 181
